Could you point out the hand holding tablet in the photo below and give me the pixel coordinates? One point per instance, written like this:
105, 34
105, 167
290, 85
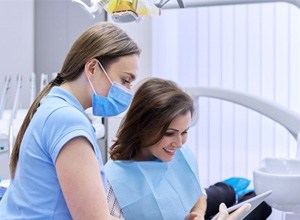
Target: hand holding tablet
236, 215
243, 208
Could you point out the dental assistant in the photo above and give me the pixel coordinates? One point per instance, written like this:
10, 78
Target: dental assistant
56, 166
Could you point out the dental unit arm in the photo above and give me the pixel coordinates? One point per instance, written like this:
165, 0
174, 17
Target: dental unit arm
170, 4
287, 118
124, 11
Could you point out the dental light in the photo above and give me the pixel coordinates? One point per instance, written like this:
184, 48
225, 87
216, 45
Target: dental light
122, 11
125, 11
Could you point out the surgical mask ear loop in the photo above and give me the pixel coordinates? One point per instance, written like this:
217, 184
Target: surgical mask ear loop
91, 85
102, 68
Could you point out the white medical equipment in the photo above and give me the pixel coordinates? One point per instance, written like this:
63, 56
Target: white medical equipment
12, 119
43, 81
4, 127
281, 175
7, 126
32, 87
170, 4
4, 95
14, 113
124, 11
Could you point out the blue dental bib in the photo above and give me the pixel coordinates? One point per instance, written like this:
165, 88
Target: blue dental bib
156, 190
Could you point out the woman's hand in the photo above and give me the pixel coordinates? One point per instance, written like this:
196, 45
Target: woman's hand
198, 210
236, 215
195, 216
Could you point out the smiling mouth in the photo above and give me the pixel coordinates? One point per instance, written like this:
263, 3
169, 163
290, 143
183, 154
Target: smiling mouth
170, 151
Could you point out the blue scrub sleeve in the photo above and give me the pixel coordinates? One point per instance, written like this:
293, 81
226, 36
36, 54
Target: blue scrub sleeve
63, 125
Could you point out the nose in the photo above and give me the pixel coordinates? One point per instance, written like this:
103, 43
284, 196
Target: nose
177, 141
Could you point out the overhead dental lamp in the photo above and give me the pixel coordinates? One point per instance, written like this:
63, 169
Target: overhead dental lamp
123, 11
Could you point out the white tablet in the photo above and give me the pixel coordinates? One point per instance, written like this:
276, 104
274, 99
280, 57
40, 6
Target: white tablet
254, 202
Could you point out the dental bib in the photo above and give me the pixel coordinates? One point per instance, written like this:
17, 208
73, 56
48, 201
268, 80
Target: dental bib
154, 189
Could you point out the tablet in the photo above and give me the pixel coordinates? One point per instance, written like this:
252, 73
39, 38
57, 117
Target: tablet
254, 202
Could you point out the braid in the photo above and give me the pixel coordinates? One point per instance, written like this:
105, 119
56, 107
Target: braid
57, 81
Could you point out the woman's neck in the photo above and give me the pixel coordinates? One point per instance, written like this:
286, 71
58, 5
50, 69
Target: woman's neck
143, 156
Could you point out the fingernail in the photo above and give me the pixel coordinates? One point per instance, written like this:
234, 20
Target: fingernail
223, 206
248, 207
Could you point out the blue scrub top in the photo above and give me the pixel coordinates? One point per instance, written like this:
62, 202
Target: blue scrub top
35, 192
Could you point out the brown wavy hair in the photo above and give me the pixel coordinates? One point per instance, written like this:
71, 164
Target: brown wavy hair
103, 41
155, 104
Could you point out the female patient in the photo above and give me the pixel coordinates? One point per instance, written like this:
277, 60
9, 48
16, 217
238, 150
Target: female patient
153, 174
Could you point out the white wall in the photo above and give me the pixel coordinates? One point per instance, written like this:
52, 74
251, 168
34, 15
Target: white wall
57, 25
17, 44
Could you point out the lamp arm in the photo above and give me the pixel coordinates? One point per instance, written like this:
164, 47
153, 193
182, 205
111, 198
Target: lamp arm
287, 118
200, 3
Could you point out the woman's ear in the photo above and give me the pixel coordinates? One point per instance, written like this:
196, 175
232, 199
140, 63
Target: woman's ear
90, 67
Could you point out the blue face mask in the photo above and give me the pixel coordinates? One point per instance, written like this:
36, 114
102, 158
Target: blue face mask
117, 101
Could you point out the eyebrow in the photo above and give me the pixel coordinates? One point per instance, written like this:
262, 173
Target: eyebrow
173, 129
